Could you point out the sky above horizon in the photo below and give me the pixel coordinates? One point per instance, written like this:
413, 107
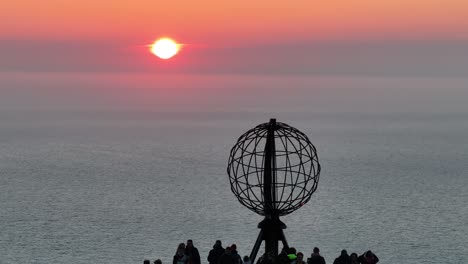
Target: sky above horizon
409, 38
274, 56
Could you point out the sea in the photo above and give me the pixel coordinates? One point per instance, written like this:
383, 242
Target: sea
127, 183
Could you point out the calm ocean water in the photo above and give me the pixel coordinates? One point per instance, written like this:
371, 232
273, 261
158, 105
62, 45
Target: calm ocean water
107, 187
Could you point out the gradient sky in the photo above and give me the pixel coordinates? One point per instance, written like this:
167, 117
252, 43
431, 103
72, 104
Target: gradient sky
367, 37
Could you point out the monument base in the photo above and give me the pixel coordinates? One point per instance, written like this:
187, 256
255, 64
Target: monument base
271, 231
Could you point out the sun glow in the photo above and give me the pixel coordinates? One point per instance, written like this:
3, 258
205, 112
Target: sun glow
165, 48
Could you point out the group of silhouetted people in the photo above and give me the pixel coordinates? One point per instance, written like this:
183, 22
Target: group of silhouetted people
228, 255
289, 256
188, 254
185, 254
367, 258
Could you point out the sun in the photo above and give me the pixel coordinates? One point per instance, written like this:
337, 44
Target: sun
165, 48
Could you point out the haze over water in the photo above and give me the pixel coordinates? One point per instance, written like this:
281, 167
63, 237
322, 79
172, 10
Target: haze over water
106, 168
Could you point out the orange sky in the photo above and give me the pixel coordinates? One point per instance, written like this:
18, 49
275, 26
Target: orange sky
244, 36
240, 21
73, 42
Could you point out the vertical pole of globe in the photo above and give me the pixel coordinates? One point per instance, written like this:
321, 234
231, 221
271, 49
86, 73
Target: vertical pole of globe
269, 187
271, 228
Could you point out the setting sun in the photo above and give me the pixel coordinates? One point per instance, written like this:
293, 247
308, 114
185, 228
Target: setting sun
165, 48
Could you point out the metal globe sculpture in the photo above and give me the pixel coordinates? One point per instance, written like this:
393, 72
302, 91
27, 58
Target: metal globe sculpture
273, 170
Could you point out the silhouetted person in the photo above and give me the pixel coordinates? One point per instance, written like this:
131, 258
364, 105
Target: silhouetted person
266, 258
246, 260
315, 257
282, 258
146, 261
368, 258
292, 255
353, 258
192, 253
180, 257
343, 258
235, 254
300, 258
215, 253
227, 258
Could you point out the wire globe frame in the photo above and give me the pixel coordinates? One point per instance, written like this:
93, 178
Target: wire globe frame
295, 172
